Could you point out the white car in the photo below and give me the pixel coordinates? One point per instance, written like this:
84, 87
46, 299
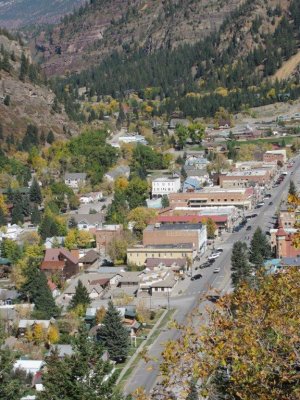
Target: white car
217, 270
214, 255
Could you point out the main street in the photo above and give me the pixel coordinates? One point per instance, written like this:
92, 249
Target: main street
145, 374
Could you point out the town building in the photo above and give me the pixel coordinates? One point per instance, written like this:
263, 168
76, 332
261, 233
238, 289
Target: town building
138, 255
89, 259
88, 221
175, 234
134, 139
214, 196
275, 156
75, 180
117, 172
285, 244
60, 262
105, 234
245, 178
166, 185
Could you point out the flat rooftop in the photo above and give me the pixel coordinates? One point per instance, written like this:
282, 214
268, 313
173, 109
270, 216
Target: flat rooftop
185, 246
256, 172
174, 227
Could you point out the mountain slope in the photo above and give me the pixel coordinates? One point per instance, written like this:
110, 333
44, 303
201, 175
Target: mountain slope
18, 13
24, 98
98, 29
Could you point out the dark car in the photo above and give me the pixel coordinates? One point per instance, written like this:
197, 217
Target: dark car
107, 263
213, 298
205, 265
248, 228
271, 203
197, 276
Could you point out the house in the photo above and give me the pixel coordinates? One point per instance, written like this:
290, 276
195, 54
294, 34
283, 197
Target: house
166, 185
29, 366
174, 122
88, 259
91, 197
196, 162
25, 324
75, 180
12, 232
60, 262
63, 350
134, 139
174, 234
8, 296
96, 283
117, 172
191, 185
88, 221
54, 290
164, 286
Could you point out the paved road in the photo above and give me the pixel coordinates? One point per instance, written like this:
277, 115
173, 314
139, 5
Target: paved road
145, 375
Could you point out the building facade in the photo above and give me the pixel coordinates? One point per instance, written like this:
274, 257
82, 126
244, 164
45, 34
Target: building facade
165, 186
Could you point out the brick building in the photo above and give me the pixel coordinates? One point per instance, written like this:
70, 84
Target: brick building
245, 178
284, 244
60, 262
273, 156
105, 234
175, 234
214, 196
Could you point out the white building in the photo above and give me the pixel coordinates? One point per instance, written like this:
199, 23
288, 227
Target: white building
133, 139
29, 366
165, 185
75, 180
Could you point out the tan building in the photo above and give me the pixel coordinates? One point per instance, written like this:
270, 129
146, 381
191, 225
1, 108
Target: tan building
138, 255
214, 196
245, 178
273, 156
288, 218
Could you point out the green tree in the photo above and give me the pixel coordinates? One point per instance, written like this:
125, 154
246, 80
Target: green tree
137, 192
11, 250
35, 192
23, 67
50, 137
81, 296
35, 215
17, 216
260, 248
113, 335
36, 289
182, 133
292, 189
12, 386
7, 100
165, 201
2, 217
240, 268
82, 376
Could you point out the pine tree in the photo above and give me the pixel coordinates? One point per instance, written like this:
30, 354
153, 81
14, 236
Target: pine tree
50, 137
165, 201
2, 218
23, 67
81, 376
81, 296
35, 215
292, 189
37, 290
17, 216
35, 192
240, 268
259, 249
6, 100
113, 335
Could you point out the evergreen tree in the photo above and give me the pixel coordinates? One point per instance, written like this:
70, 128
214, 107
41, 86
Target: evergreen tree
50, 137
259, 249
292, 189
183, 173
81, 296
37, 290
23, 67
17, 216
81, 376
240, 268
11, 384
35, 215
35, 192
1, 132
7, 100
2, 218
165, 201
113, 335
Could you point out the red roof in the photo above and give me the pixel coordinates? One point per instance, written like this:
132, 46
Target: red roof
52, 265
100, 282
55, 254
281, 232
51, 285
190, 218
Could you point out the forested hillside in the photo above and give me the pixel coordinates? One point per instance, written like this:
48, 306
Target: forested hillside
95, 30
29, 111
230, 68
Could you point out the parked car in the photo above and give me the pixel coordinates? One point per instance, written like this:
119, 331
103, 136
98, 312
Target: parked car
213, 256
195, 277
217, 270
249, 227
213, 298
205, 265
271, 203
219, 250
